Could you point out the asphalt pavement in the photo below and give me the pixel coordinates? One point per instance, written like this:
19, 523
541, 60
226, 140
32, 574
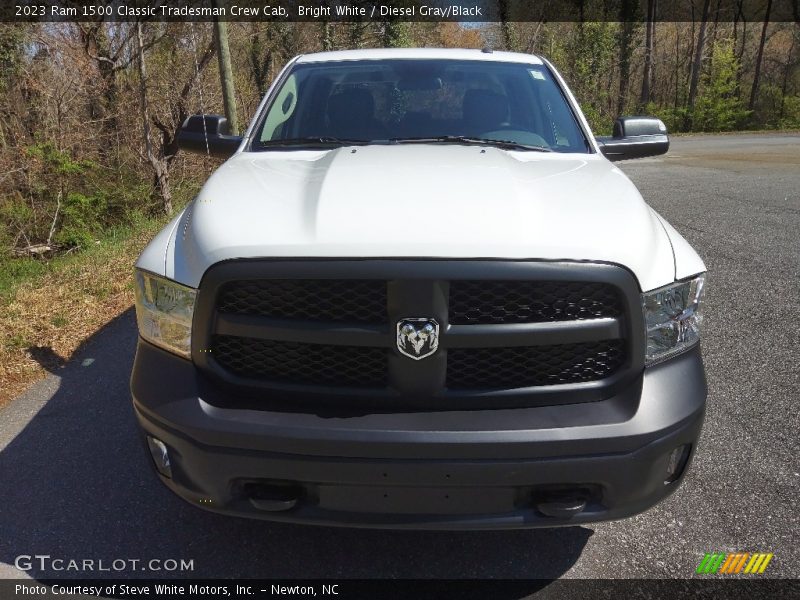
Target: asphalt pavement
75, 484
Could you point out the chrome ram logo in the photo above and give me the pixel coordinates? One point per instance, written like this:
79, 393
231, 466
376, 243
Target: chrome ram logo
417, 338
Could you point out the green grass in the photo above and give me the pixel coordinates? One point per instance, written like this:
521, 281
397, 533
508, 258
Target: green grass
15, 271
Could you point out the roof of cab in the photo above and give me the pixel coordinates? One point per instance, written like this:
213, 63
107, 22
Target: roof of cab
420, 53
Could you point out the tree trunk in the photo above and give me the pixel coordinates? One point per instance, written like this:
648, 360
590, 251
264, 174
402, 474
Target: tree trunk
259, 59
697, 64
180, 110
627, 16
759, 57
786, 72
677, 67
102, 106
716, 23
160, 174
647, 76
327, 42
506, 27
226, 75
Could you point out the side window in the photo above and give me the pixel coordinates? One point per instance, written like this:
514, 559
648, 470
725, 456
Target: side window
281, 110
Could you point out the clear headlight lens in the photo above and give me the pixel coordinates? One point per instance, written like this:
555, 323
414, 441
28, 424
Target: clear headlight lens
672, 318
164, 312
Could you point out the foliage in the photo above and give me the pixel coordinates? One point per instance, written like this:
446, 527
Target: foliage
776, 110
790, 113
82, 216
674, 118
396, 34
583, 57
11, 53
54, 161
718, 107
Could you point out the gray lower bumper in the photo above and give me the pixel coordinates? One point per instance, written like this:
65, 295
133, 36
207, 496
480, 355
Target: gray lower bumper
470, 469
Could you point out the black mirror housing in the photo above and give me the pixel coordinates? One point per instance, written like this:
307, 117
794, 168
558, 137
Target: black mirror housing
635, 137
208, 133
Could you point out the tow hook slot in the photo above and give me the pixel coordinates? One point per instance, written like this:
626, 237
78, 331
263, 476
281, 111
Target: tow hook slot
273, 497
562, 509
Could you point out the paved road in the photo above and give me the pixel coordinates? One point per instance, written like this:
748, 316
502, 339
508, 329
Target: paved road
74, 484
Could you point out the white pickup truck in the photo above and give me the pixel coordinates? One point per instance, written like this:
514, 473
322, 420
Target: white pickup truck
419, 294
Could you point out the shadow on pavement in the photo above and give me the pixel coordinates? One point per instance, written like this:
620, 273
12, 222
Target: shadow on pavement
47, 358
75, 484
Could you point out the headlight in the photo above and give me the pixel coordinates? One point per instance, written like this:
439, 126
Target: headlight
672, 319
164, 312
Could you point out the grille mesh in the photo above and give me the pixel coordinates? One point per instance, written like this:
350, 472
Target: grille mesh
313, 364
325, 364
496, 302
358, 301
486, 368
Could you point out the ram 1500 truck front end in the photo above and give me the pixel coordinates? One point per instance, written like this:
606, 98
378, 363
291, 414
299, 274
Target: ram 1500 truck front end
419, 295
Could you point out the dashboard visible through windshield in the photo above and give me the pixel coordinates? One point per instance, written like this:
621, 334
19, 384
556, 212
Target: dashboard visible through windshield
518, 106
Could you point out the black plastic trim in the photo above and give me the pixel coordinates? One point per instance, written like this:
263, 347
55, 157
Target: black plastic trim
309, 332
173, 392
341, 466
531, 334
416, 288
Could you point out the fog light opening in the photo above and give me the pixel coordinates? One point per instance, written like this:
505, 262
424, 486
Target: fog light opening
160, 454
677, 463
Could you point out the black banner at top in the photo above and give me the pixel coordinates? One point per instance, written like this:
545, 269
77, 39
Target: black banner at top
464, 11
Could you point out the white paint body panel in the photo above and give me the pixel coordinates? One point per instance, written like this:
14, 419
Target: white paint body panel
421, 53
687, 261
420, 201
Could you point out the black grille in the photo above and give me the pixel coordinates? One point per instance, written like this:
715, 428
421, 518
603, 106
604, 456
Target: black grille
313, 364
340, 300
494, 302
322, 332
487, 368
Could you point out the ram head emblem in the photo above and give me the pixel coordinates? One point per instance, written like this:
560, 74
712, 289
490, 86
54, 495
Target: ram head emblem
417, 338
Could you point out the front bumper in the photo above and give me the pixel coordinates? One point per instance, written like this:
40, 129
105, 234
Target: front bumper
479, 469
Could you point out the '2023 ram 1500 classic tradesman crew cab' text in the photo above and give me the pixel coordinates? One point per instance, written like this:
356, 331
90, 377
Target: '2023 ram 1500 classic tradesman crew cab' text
419, 294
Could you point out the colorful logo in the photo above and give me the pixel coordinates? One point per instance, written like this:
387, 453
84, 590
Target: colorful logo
737, 562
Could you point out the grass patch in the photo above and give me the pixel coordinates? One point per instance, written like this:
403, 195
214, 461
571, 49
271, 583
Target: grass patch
56, 304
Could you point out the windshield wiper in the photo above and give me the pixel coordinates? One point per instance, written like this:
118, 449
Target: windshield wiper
311, 141
465, 139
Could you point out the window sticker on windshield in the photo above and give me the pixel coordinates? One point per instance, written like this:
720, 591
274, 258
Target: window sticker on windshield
536, 74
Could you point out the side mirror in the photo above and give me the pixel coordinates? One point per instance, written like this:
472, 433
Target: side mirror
635, 137
208, 133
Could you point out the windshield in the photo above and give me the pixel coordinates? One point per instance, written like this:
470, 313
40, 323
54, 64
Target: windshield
423, 101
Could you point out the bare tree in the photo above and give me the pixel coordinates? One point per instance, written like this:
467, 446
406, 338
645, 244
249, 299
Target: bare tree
327, 42
506, 26
625, 44
160, 171
259, 58
108, 46
226, 75
177, 107
650, 33
759, 58
697, 64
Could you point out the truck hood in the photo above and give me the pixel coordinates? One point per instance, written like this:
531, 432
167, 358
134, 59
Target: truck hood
426, 201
